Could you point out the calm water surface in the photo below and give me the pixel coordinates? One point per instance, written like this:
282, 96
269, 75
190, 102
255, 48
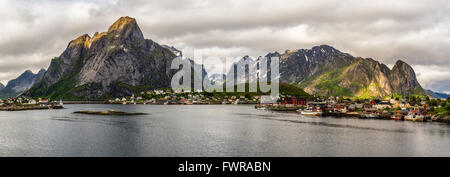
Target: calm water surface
212, 130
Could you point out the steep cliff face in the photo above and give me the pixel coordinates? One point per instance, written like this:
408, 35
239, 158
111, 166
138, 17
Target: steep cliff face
325, 71
21, 83
297, 66
67, 63
362, 78
403, 79
115, 63
121, 62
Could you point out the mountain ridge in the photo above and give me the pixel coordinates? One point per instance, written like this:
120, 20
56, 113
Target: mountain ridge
114, 63
326, 71
437, 94
23, 82
121, 62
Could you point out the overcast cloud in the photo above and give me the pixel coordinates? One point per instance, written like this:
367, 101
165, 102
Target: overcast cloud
33, 32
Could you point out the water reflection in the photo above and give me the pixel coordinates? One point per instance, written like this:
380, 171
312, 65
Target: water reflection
211, 130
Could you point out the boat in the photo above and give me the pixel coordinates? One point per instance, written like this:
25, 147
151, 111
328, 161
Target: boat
59, 106
397, 116
260, 107
369, 115
311, 112
420, 118
415, 116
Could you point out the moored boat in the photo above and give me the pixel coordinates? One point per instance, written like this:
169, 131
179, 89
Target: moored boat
397, 116
415, 116
58, 106
369, 115
311, 112
420, 118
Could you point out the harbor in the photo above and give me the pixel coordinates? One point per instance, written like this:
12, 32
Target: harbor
388, 109
404, 108
195, 130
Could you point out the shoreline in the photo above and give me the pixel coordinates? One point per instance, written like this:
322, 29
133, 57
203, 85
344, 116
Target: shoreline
24, 108
256, 106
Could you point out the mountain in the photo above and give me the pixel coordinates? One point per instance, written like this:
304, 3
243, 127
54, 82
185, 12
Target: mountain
173, 50
325, 71
121, 62
437, 94
2, 86
16, 86
115, 63
328, 72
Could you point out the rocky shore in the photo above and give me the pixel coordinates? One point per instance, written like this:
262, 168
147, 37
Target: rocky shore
23, 108
109, 112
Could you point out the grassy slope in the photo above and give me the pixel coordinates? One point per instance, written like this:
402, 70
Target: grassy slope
328, 83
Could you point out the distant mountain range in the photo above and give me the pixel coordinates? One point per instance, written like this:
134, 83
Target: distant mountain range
437, 94
121, 62
16, 86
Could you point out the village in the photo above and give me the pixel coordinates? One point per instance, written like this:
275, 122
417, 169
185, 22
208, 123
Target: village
410, 108
186, 97
24, 103
407, 108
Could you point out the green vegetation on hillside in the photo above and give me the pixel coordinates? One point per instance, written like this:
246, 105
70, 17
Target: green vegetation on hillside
64, 87
284, 88
328, 83
443, 110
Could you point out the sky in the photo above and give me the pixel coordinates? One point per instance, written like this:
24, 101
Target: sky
416, 31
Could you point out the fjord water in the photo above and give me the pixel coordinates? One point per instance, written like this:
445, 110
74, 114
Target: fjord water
212, 130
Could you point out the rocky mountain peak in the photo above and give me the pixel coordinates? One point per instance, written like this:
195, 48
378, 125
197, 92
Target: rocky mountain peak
404, 68
21, 83
112, 63
273, 54
324, 48
122, 23
42, 71
401, 64
404, 79
81, 40
97, 36
126, 28
27, 72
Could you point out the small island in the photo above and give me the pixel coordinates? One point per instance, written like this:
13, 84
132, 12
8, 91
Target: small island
110, 112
